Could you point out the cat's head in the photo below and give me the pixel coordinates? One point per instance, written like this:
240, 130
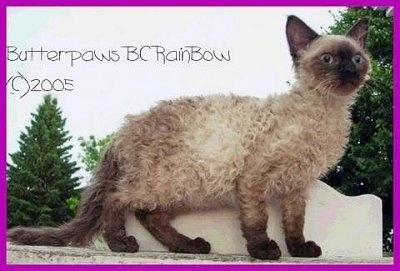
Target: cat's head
334, 64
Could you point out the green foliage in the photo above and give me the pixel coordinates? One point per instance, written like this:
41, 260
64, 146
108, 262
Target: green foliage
92, 150
73, 204
367, 164
39, 179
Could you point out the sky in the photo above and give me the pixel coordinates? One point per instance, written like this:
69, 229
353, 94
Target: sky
149, 54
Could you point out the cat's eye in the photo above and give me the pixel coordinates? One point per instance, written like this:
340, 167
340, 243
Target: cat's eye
327, 58
357, 59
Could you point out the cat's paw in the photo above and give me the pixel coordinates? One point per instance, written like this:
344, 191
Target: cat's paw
266, 250
307, 249
202, 246
196, 246
123, 244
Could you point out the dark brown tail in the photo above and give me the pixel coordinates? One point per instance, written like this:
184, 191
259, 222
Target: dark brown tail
81, 230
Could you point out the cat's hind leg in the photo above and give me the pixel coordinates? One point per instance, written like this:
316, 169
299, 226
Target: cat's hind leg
114, 227
157, 222
293, 213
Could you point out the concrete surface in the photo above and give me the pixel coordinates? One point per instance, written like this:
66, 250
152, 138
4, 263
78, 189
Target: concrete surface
71, 255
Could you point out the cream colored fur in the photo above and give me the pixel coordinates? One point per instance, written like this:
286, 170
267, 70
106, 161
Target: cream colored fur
191, 151
291, 139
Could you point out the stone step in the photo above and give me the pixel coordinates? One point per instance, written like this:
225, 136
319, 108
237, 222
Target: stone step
72, 255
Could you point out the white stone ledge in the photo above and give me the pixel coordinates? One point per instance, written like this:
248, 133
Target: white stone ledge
343, 226
71, 255
348, 229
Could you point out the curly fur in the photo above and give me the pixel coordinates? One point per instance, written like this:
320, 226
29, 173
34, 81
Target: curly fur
208, 151
80, 230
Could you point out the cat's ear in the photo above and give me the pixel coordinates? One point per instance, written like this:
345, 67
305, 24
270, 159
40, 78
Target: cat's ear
299, 36
359, 31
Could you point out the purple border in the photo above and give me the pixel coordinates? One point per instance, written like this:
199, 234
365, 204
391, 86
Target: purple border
396, 129
396, 124
3, 204
199, 3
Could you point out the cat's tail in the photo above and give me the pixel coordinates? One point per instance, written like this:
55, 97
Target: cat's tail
81, 230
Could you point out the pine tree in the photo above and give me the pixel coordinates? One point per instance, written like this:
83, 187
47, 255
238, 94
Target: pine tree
40, 180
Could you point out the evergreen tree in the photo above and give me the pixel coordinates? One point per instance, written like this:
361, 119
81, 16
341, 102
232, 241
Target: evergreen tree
40, 180
366, 167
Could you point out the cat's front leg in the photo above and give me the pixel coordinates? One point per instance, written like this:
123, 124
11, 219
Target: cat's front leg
254, 217
293, 212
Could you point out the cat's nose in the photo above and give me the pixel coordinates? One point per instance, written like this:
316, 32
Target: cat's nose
348, 67
348, 73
